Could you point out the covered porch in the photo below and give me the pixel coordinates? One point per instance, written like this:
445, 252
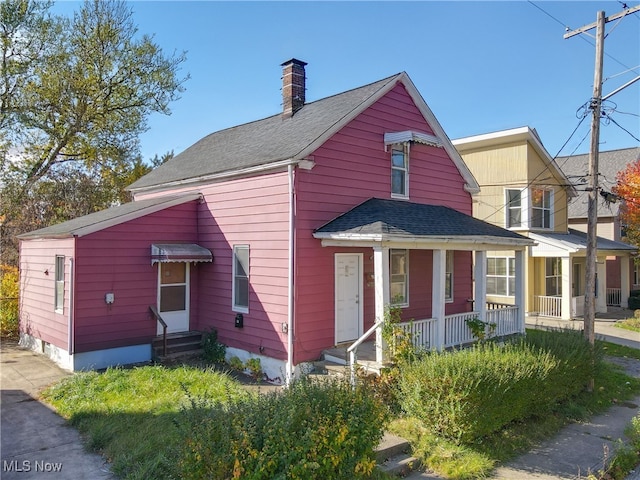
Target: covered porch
559, 268
387, 226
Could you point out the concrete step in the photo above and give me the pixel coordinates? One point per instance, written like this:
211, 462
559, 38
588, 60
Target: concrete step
393, 456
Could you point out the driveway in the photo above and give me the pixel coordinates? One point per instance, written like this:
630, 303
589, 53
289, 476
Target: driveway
36, 443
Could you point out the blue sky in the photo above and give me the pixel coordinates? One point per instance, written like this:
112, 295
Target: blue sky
481, 66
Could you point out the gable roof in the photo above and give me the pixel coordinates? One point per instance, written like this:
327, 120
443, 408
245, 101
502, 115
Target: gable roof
277, 140
576, 167
386, 220
520, 134
109, 217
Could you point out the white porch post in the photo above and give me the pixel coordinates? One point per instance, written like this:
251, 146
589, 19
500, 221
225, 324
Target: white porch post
520, 256
565, 288
601, 294
382, 295
480, 295
438, 293
625, 281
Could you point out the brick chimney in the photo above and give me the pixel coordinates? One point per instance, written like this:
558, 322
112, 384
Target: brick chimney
293, 86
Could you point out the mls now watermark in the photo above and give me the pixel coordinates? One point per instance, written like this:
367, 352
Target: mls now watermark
29, 466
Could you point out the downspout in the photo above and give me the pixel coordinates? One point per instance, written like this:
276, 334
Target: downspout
289, 372
71, 305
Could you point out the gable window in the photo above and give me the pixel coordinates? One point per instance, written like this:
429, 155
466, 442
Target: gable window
58, 304
448, 285
240, 287
501, 276
540, 208
553, 276
399, 272
514, 208
400, 170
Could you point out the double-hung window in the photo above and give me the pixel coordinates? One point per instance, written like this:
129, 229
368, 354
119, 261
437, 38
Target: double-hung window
399, 272
529, 208
59, 285
553, 276
400, 170
540, 208
514, 208
240, 292
448, 286
501, 276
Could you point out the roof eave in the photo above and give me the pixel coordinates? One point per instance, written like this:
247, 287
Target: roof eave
415, 241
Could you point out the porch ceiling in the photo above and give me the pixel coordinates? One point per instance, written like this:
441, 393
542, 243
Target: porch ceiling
415, 225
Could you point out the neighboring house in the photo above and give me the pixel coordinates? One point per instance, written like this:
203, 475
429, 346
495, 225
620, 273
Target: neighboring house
287, 235
621, 270
524, 190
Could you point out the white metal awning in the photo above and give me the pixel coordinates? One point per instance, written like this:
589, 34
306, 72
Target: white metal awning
179, 252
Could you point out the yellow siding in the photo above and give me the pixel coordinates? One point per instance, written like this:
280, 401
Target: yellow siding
496, 169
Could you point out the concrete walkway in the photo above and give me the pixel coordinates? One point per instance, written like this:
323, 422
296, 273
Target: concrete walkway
35, 442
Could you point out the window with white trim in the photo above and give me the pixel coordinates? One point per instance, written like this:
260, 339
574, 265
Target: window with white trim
448, 285
553, 276
240, 292
514, 208
399, 273
636, 273
501, 276
400, 170
59, 285
528, 208
541, 208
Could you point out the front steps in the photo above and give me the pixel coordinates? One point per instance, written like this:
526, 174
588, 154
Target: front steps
180, 346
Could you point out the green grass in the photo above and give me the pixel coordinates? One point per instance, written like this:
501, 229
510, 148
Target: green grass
632, 324
479, 458
130, 415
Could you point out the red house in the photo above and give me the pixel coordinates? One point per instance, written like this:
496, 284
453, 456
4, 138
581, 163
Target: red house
288, 235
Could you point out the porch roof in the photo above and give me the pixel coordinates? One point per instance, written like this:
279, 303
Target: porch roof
397, 221
550, 244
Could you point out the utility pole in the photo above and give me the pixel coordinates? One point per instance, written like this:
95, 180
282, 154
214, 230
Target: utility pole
592, 212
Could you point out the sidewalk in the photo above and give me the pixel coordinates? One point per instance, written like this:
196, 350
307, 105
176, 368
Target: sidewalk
35, 442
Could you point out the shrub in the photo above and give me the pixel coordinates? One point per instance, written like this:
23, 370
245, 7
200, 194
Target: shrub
214, 351
310, 430
634, 293
634, 303
236, 363
466, 395
9, 317
255, 368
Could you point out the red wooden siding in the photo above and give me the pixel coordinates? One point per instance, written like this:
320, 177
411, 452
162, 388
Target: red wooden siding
248, 211
115, 260
351, 167
37, 288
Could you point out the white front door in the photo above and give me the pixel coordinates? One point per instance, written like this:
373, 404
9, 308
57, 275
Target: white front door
173, 296
348, 295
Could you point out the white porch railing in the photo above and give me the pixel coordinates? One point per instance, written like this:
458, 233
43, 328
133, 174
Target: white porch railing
456, 330
506, 320
548, 306
422, 332
614, 297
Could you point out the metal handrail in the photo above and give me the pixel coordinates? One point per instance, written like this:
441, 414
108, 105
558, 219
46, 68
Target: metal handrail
156, 314
352, 350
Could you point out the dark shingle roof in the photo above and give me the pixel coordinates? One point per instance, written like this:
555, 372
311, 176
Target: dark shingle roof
400, 218
261, 142
610, 163
108, 217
